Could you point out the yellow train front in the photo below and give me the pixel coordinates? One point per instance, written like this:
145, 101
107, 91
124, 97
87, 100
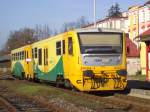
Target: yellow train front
84, 59
96, 60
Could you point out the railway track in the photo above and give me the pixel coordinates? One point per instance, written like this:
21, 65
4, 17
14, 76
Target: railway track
21, 104
116, 102
12, 102
5, 106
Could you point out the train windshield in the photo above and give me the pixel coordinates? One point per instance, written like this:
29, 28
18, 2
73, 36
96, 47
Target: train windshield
100, 43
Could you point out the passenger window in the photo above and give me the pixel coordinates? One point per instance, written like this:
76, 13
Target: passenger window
35, 52
40, 56
12, 57
46, 56
58, 48
64, 47
22, 55
27, 54
70, 46
17, 56
32, 53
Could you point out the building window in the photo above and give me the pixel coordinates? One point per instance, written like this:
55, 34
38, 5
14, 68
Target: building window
134, 19
40, 56
70, 46
143, 16
58, 48
122, 24
110, 24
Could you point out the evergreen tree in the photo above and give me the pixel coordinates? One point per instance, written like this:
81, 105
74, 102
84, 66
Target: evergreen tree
114, 11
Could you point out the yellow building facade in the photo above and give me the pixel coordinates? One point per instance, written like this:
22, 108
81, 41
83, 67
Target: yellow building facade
134, 32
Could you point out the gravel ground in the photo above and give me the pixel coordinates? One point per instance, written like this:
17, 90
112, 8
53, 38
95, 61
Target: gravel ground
140, 93
67, 101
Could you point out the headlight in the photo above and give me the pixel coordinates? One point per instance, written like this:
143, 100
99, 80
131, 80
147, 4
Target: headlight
88, 73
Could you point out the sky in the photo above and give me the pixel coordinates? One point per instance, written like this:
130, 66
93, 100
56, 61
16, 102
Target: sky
16, 14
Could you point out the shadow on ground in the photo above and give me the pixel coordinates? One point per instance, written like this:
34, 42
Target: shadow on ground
136, 84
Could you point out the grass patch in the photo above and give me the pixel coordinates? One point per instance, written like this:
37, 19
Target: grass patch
50, 93
138, 77
28, 89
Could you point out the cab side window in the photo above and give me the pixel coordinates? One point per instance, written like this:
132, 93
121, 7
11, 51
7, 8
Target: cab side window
58, 48
64, 47
70, 46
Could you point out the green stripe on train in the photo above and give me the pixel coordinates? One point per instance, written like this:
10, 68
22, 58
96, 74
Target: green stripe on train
51, 75
18, 69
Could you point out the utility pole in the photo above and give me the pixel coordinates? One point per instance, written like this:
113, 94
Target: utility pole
94, 13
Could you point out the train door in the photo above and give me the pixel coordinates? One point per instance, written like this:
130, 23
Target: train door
67, 55
28, 63
45, 59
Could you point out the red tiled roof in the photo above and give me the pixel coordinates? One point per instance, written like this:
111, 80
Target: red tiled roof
132, 48
146, 33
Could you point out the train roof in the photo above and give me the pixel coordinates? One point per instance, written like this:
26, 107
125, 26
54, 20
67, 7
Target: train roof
81, 30
19, 48
98, 30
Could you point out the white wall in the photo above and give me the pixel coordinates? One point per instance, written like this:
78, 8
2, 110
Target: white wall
133, 65
117, 23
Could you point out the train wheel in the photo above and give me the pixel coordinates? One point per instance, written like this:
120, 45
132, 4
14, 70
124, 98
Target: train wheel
70, 86
35, 78
22, 75
60, 81
74, 89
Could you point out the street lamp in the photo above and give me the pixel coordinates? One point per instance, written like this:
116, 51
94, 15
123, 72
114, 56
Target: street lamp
94, 13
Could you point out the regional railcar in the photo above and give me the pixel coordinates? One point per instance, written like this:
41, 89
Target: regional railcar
85, 59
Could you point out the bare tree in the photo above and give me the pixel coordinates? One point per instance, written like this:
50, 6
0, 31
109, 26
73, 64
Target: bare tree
19, 38
79, 23
42, 31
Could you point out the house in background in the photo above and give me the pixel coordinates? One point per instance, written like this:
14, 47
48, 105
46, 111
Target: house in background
113, 22
139, 22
